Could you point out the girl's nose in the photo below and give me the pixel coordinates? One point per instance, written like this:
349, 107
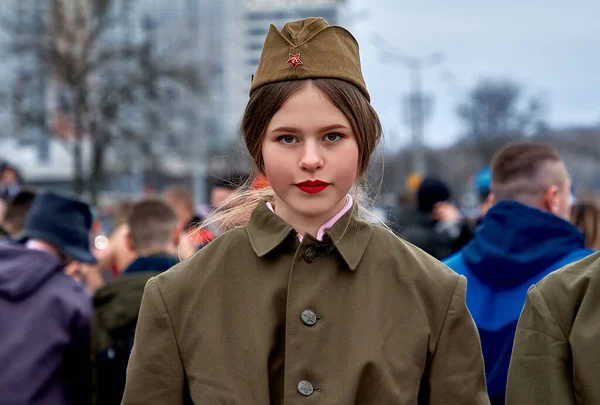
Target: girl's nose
312, 157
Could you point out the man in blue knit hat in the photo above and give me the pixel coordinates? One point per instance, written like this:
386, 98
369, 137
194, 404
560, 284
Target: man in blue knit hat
45, 313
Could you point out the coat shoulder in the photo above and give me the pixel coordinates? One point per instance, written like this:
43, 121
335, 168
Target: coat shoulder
422, 279
192, 273
568, 286
412, 261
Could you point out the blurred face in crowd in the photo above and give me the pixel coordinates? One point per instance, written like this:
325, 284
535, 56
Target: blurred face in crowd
76, 270
2, 210
117, 255
9, 176
219, 194
182, 204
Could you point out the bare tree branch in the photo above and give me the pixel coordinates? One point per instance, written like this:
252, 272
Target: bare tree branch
494, 112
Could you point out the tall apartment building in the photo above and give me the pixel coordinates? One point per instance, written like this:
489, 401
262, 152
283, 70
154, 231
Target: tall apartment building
249, 23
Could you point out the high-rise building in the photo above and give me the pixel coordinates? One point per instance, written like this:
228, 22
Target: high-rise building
250, 21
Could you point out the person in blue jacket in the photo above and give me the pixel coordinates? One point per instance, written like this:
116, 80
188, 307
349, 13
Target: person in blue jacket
483, 186
523, 237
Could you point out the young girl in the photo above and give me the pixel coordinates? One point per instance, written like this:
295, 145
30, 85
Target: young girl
307, 303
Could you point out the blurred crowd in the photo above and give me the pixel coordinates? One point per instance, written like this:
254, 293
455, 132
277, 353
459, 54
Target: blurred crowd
71, 281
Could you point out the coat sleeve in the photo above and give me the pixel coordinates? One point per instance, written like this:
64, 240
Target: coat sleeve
540, 367
456, 374
155, 373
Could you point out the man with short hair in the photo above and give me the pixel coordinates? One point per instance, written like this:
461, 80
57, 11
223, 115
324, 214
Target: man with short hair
44, 313
153, 238
524, 236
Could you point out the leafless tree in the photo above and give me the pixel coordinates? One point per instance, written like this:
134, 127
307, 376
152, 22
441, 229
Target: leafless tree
119, 94
496, 111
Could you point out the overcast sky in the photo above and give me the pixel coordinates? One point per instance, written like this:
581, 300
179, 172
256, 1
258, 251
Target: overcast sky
552, 47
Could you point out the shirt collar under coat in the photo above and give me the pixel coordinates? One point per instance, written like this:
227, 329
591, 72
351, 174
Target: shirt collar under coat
350, 236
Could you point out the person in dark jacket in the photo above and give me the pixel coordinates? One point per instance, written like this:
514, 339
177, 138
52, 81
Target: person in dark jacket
153, 239
44, 313
524, 236
435, 225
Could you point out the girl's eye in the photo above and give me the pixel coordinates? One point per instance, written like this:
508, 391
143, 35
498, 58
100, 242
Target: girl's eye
287, 139
333, 137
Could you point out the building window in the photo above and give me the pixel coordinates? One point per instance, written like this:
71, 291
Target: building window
265, 15
285, 15
255, 47
257, 31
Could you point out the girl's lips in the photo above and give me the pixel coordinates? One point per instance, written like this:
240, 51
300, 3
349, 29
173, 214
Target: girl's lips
312, 186
313, 189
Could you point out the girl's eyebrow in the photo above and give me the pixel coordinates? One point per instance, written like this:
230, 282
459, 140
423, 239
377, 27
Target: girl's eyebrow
296, 130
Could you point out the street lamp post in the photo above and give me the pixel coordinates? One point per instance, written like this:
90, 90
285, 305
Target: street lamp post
417, 103
199, 116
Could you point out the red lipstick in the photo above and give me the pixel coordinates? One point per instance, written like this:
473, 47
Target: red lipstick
312, 186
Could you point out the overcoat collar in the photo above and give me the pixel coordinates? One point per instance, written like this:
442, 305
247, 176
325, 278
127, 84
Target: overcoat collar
350, 236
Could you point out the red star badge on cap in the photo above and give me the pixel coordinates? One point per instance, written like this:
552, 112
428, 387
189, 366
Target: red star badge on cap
294, 61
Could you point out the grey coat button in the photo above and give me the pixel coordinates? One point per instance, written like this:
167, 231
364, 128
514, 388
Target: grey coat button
310, 255
305, 388
308, 317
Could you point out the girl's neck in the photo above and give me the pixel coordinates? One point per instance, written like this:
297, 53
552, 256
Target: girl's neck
307, 224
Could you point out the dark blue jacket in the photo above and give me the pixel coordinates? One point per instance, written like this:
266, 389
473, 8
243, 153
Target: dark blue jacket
153, 263
44, 331
515, 247
117, 305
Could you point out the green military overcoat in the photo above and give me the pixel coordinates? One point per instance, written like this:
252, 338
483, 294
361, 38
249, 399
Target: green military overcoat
556, 353
259, 318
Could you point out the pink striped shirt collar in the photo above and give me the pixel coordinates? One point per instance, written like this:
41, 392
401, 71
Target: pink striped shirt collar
329, 224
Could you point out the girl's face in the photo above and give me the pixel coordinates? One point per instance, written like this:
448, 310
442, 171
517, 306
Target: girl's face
310, 156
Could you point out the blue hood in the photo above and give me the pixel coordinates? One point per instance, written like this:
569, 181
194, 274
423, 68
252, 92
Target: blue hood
515, 247
516, 242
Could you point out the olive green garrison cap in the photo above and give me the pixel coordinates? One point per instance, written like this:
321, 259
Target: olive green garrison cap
309, 49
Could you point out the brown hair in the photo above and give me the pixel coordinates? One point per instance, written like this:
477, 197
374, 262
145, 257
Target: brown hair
179, 195
518, 169
16, 211
268, 99
123, 213
262, 106
586, 216
151, 223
